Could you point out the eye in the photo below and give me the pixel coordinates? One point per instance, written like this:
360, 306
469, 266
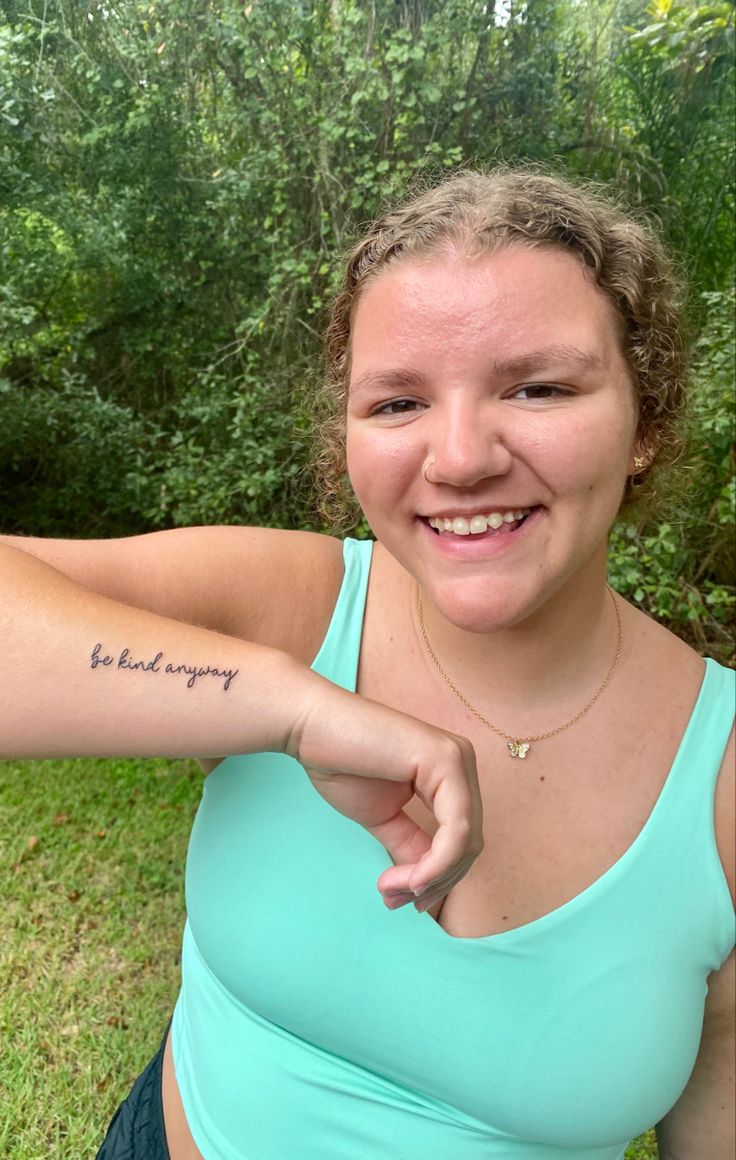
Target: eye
540, 391
398, 407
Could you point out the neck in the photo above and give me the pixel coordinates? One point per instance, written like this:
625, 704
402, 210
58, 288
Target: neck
532, 672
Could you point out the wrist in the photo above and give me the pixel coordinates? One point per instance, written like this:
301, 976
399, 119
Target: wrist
305, 696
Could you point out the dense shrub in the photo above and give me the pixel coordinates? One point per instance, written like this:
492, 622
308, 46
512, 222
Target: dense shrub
177, 181
680, 568
72, 462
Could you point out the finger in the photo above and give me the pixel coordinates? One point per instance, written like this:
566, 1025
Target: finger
399, 882
421, 864
404, 841
457, 806
396, 890
449, 856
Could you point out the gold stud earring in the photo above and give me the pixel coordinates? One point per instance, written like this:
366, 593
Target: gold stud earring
639, 462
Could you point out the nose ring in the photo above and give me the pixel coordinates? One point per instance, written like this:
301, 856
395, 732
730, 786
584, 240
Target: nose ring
425, 471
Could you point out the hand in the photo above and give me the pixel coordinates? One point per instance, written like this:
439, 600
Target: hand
368, 761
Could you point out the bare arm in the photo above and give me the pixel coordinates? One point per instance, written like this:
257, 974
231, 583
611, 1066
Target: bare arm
81, 674
84, 675
235, 580
701, 1124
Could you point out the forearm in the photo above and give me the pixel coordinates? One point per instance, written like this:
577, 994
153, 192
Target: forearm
83, 675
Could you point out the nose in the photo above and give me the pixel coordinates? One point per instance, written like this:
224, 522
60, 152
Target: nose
466, 448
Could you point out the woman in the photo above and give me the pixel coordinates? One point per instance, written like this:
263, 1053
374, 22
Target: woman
504, 360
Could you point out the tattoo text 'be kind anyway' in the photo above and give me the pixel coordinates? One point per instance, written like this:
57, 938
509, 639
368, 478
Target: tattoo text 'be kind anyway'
125, 661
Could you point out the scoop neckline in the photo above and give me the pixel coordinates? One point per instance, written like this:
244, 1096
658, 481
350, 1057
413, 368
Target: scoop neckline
608, 876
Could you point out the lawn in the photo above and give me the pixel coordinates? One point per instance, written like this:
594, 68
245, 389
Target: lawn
91, 891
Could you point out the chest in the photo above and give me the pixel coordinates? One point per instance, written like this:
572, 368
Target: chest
557, 820
459, 1027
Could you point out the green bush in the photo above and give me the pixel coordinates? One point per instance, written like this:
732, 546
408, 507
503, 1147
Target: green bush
177, 182
681, 570
72, 462
234, 455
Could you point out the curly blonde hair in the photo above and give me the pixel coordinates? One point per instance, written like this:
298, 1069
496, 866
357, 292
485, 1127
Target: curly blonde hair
513, 205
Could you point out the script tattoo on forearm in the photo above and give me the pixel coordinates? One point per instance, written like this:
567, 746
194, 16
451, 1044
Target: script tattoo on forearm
125, 661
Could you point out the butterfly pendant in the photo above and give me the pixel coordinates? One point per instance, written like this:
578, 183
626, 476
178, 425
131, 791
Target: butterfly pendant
518, 748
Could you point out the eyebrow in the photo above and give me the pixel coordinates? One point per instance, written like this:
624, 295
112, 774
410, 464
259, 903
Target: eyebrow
536, 360
400, 380
525, 364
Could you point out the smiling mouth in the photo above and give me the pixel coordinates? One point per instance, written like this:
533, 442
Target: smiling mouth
495, 523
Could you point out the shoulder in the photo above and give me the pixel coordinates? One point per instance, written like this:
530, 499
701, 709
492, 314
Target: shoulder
276, 587
669, 677
664, 674
667, 674
658, 650
266, 585
262, 584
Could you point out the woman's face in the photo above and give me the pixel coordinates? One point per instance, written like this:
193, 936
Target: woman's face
486, 387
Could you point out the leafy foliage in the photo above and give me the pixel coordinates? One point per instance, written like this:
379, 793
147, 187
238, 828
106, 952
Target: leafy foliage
671, 123
70, 452
177, 180
681, 570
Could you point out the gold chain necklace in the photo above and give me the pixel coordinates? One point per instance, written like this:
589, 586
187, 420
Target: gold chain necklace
519, 746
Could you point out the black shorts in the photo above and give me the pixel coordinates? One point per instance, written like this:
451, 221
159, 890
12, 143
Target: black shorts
136, 1130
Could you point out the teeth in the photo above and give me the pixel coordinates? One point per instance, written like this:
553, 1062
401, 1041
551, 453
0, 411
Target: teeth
476, 525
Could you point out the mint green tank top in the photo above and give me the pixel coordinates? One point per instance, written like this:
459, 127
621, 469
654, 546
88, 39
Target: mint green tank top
315, 1024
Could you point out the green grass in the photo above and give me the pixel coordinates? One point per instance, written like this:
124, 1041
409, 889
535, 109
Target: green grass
91, 890
91, 897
